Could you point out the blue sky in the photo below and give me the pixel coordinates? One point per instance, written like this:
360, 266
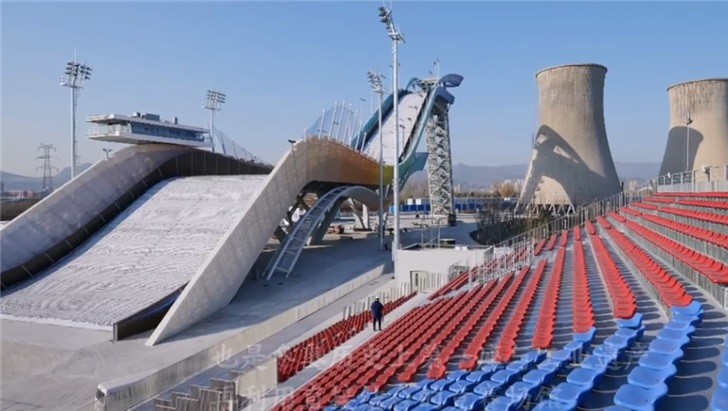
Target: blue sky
281, 63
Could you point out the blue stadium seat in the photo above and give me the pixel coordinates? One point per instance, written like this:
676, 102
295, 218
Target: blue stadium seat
574, 346
678, 324
390, 403
443, 398
550, 365
638, 398
478, 376
440, 385
462, 386
724, 358
425, 383
406, 405
425, 407
616, 341
517, 366
423, 395
487, 388
666, 347
457, 375
597, 363
650, 378
584, 377
567, 393
504, 376
533, 356
616, 408
521, 390
659, 361
491, 368
408, 392
503, 404
562, 355
469, 402
631, 334
586, 337
634, 322
609, 352
538, 377
674, 335
694, 309
378, 399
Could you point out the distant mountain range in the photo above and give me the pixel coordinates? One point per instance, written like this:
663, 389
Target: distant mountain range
19, 182
468, 177
475, 177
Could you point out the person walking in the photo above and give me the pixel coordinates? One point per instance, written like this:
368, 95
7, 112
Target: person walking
377, 312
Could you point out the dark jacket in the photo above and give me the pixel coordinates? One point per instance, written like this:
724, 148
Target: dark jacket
377, 308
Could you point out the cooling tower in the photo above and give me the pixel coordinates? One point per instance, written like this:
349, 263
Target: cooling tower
705, 140
571, 163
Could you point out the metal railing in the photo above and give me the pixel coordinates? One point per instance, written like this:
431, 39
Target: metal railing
707, 178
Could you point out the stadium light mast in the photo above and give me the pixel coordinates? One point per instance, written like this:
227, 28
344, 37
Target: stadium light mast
74, 78
385, 16
214, 102
376, 82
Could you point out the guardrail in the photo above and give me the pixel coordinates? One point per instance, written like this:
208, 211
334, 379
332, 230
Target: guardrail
707, 178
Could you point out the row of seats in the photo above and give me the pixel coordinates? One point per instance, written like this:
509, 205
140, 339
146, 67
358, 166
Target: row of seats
453, 285
506, 347
646, 386
698, 215
704, 204
473, 350
544, 333
712, 194
668, 288
709, 236
591, 370
584, 318
313, 348
646, 206
361, 367
539, 247
438, 366
564, 238
714, 270
662, 200
623, 299
552, 242
439, 329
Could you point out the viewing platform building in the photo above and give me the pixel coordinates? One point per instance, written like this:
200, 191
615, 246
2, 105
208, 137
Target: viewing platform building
145, 128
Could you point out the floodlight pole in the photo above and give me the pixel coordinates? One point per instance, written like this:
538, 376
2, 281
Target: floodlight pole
75, 76
376, 82
214, 102
385, 16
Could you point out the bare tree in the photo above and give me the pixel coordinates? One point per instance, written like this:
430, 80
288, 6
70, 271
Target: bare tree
506, 189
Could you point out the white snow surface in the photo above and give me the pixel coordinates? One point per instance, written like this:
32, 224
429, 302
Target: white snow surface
152, 248
409, 108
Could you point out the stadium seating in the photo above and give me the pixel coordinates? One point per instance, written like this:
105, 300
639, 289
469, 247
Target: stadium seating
313, 348
491, 346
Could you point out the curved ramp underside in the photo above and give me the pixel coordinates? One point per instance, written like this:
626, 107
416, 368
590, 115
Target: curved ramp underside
288, 252
218, 279
148, 251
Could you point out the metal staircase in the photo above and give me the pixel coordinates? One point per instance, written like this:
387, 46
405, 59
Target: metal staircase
290, 249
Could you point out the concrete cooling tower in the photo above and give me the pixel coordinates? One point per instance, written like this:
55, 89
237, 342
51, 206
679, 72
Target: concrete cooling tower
571, 163
703, 142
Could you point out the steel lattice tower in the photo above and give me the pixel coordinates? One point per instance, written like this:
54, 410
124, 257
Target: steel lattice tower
47, 166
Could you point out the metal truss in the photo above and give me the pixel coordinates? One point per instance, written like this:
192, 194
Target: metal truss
439, 162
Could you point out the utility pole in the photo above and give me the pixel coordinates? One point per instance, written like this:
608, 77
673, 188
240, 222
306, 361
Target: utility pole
47, 166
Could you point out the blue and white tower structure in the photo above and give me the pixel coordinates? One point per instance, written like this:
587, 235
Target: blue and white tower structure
145, 128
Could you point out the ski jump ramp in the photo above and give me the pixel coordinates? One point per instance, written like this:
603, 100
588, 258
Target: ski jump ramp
84, 237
